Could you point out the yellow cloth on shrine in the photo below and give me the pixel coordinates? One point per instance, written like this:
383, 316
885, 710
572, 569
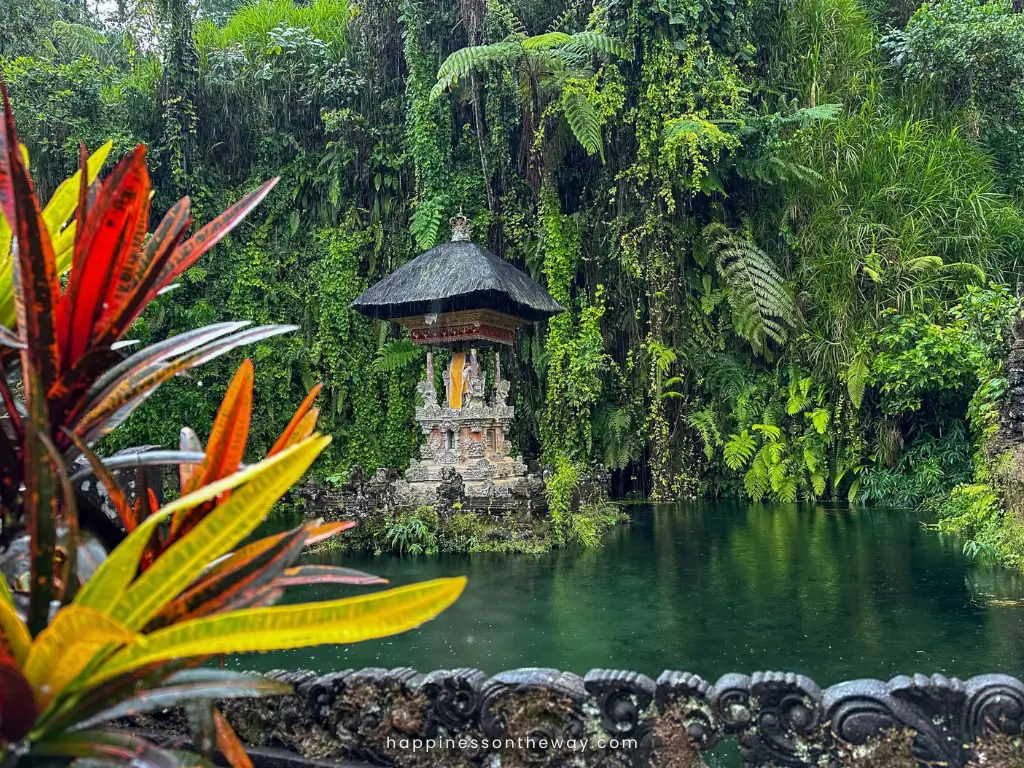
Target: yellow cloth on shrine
455, 391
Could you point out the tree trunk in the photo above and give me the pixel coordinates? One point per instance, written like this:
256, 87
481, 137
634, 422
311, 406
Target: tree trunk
179, 94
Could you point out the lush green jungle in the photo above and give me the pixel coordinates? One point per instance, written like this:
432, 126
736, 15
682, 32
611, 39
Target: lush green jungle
787, 233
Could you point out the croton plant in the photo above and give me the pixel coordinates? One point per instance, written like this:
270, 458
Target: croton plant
112, 618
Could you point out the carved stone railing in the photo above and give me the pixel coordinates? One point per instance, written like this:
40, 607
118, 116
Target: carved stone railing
462, 717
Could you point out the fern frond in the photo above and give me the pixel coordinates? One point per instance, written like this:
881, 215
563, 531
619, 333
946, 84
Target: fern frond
967, 272
786, 490
565, 16
756, 480
508, 17
761, 302
820, 418
819, 112
925, 264
80, 41
797, 401
461, 62
705, 423
583, 121
780, 169
770, 433
662, 355
678, 126
594, 43
857, 379
394, 355
725, 375
546, 40
425, 221
738, 450
621, 444
811, 459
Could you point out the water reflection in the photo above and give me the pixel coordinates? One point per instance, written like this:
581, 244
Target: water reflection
714, 587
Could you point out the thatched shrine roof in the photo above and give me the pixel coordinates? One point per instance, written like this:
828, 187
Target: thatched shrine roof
455, 277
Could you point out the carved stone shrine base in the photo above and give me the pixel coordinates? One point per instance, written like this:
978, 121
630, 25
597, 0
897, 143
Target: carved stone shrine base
469, 441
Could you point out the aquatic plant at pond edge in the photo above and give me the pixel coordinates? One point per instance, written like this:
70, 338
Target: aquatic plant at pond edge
90, 635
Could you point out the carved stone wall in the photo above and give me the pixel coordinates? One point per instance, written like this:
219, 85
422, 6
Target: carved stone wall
620, 719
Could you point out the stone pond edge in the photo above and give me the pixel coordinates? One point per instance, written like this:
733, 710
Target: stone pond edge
462, 717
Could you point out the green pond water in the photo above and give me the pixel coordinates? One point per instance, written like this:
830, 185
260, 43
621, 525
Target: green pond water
710, 588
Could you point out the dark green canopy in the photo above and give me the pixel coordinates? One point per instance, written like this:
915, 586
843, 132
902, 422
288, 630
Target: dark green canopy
456, 276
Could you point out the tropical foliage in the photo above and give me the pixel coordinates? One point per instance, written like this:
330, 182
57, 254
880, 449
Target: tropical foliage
105, 619
773, 226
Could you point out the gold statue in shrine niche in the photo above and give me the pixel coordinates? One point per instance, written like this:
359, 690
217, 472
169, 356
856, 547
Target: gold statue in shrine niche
455, 381
464, 383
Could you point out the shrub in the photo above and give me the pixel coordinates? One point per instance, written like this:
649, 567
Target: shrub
87, 635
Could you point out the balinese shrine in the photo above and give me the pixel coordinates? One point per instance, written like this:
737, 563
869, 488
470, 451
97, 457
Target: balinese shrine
461, 297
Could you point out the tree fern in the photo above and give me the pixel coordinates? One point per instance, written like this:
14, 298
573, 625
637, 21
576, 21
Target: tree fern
463, 61
762, 306
678, 126
596, 44
79, 41
583, 121
546, 40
